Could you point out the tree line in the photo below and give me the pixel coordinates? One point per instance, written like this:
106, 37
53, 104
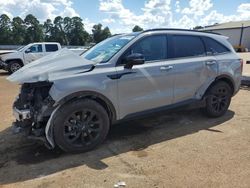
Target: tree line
66, 31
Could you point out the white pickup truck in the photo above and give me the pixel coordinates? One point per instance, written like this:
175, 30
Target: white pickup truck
14, 60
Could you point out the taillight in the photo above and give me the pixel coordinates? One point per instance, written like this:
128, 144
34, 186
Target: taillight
241, 65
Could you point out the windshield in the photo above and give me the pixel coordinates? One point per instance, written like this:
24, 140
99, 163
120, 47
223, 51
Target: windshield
20, 48
105, 50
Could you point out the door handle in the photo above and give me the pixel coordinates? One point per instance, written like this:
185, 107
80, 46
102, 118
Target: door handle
166, 68
210, 62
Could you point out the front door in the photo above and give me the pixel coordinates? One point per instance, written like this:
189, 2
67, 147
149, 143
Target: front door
33, 53
147, 86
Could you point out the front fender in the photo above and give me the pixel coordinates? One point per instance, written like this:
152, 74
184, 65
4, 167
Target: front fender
7, 61
63, 92
86, 84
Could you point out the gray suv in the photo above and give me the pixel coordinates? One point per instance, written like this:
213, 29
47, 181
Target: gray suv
71, 101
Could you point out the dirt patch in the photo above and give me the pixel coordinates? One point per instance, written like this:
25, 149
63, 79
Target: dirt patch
163, 150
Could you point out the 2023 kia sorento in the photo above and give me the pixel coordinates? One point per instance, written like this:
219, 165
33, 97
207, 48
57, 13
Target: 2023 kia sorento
71, 101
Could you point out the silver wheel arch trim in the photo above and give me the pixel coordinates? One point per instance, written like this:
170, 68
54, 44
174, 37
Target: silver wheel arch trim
49, 129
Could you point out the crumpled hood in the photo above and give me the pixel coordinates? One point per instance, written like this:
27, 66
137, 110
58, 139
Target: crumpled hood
11, 55
3, 52
57, 65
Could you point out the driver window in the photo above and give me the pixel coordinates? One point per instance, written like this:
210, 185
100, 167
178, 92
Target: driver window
152, 48
35, 48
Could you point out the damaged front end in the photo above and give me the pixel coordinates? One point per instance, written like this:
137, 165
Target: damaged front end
32, 110
34, 107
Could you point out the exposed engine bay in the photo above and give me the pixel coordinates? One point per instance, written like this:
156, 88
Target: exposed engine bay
36, 103
32, 110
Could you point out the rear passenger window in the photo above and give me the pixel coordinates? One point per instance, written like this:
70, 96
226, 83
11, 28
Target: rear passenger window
152, 48
187, 46
214, 47
51, 47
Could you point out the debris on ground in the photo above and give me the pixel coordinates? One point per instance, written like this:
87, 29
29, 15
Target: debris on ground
120, 184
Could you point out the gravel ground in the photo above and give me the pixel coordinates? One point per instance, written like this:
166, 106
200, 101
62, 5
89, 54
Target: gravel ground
181, 149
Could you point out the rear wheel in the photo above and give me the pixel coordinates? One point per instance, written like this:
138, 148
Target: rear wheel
13, 66
80, 125
218, 99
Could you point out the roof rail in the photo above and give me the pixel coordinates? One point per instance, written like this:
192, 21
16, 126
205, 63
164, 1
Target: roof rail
172, 29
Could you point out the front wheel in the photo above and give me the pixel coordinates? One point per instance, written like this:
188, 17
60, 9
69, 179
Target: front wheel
14, 66
218, 99
80, 125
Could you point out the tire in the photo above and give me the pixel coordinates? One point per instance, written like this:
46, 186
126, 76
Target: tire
13, 66
80, 125
218, 99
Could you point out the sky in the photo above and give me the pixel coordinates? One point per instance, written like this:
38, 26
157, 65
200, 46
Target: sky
122, 15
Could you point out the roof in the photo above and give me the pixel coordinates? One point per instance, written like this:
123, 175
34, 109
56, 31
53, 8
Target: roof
45, 43
228, 25
176, 29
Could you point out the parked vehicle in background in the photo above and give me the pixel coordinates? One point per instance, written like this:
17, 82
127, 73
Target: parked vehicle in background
78, 50
13, 61
71, 101
2, 52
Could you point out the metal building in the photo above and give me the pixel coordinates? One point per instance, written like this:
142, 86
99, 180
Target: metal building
238, 33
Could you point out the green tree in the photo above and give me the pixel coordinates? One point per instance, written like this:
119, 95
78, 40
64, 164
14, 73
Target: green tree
77, 34
34, 29
67, 31
100, 34
47, 28
58, 31
18, 31
137, 29
5, 29
67, 22
198, 27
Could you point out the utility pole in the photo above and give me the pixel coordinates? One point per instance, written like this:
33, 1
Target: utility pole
241, 34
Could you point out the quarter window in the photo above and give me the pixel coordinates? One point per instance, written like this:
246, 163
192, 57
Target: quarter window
214, 47
187, 46
152, 48
51, 47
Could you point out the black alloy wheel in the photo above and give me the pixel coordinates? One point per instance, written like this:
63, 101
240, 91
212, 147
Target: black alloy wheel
80, 125
82, 128
218, 99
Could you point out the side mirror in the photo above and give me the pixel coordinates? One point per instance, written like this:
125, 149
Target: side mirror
28, 51
134, 59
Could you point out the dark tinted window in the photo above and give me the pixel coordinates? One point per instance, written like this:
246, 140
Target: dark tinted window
153, 47
51, 47
214, 47
187, 46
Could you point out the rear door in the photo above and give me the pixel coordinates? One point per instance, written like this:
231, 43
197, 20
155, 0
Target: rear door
194, 69
146, 86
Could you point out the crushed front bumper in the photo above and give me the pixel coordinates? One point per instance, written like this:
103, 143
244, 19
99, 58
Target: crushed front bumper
21, 115
22, 123
3, 65
32, 110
